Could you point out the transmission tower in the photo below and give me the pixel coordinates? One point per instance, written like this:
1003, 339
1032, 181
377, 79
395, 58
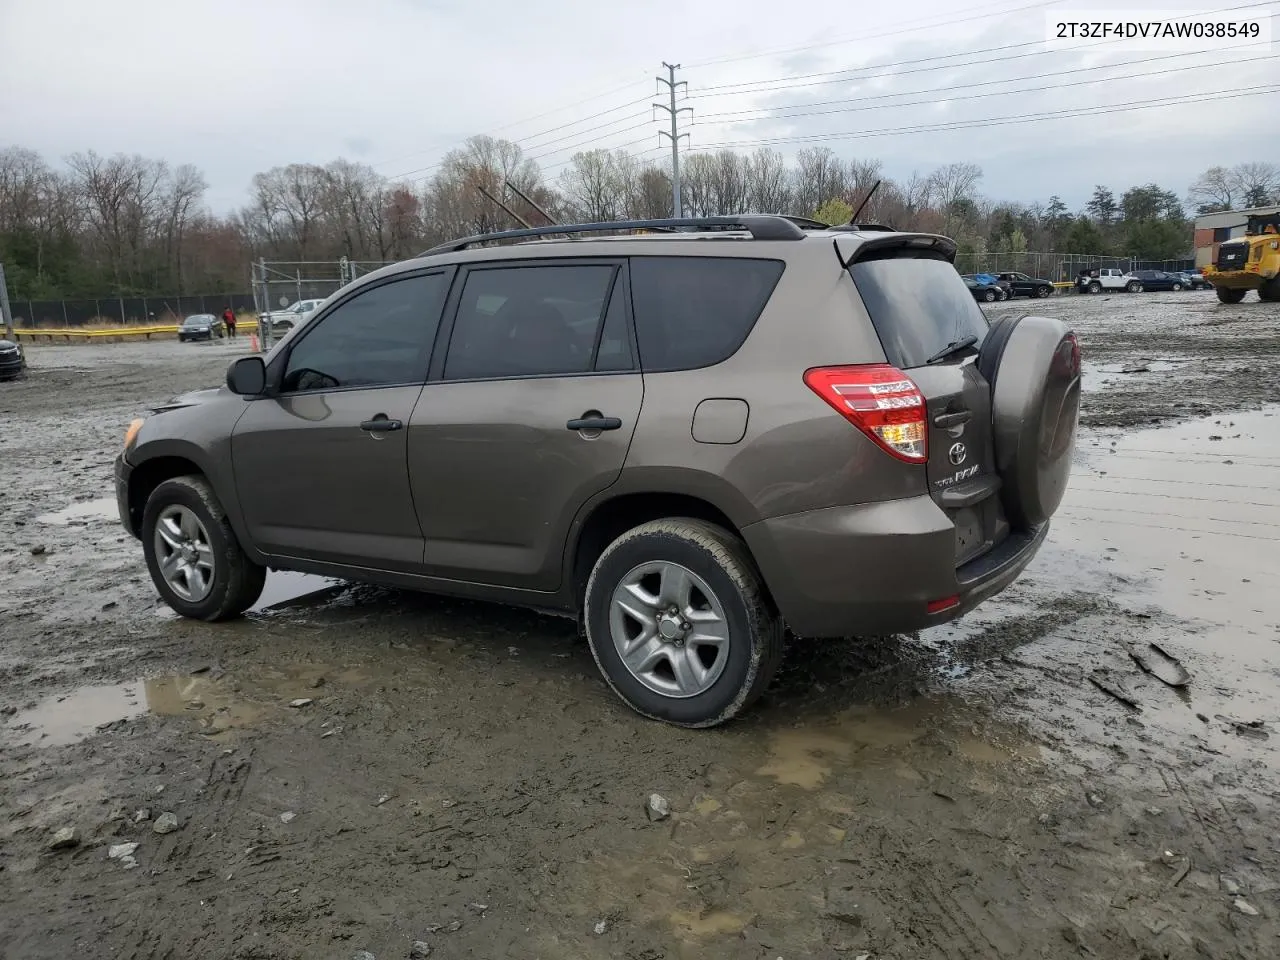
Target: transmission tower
670, 82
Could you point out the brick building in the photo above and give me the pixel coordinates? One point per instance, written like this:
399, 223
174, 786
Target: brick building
1215, 228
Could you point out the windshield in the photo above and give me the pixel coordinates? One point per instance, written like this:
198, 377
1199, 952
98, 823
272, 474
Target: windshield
917, 306
199, 320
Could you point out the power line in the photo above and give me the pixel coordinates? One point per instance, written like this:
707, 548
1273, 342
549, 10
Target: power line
999, 121
788, 82
868, 36
972, 96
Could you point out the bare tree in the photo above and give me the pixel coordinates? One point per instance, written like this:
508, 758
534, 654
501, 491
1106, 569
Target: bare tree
1258, 183
1215, 189
819, 177
768, 182
594, 186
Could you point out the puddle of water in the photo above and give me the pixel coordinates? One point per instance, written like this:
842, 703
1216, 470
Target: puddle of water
88, 511
286, 588
213, 705
62, 720
807, 757
1183, 523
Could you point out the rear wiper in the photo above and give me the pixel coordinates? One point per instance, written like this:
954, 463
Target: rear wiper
951, 349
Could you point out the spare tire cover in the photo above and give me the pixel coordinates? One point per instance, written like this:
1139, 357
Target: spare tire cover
1033, 366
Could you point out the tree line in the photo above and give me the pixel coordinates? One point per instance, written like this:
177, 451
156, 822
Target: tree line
134, 226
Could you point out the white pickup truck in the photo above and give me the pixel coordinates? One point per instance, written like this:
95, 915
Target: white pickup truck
1107, 278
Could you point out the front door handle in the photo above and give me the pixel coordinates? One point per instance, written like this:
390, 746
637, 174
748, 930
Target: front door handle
594, 423
380, 424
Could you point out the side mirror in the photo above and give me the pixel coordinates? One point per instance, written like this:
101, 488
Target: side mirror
247, 377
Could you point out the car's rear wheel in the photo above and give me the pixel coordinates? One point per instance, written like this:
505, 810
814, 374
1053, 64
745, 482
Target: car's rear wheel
1229, 295
679, 623
195, 560
1043, 292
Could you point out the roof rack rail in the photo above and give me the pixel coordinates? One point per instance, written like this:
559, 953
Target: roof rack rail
760, 226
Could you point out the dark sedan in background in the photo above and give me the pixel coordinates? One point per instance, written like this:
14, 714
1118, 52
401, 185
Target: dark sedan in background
201, 326
12, 363
1159, 280
986, 292
1025, 286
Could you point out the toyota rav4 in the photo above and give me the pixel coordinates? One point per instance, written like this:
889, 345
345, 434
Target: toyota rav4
691, 440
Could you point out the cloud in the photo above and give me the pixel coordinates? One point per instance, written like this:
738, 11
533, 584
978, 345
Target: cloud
238, 86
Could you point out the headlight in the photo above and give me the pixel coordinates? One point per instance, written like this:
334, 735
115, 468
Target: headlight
132, 434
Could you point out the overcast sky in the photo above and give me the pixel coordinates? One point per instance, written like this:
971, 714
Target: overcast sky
236, 87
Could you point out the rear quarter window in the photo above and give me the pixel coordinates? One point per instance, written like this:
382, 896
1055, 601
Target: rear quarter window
693, 312
918, 306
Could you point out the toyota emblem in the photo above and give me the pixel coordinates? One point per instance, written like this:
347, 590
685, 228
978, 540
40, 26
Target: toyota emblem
957, 453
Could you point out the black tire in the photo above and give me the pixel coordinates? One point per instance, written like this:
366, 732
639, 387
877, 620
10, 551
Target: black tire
1177, 288
237, 580
1095, 287
989, 296
1229, 295
1044, 291
1269, 292
755, 631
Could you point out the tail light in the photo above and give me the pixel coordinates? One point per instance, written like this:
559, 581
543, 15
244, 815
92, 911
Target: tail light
881, 401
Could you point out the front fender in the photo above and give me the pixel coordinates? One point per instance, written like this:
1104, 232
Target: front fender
200, 435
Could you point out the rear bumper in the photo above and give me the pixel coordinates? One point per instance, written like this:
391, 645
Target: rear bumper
875, 568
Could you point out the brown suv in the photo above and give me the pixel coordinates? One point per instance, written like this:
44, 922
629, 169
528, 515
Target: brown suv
690, 440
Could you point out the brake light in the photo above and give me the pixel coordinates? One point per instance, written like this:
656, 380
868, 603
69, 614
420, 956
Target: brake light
881, 401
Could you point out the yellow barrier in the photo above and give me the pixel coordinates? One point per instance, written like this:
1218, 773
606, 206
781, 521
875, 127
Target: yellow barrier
97, 333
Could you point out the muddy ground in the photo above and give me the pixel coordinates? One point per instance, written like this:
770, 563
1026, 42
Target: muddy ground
461, 776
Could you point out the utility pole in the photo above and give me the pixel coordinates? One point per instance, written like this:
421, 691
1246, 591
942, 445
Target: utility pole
675, 134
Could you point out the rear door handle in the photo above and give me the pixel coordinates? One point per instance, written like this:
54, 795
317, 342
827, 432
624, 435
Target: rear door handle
594, 423
380, 424
953, 419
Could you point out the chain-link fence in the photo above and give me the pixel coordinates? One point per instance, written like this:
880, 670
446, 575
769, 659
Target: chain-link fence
122, 311
1059, 267
280, 286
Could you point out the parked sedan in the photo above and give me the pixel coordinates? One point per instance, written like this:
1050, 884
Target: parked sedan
986, 292
201, 326
1025, 286
1159, 280
12, 363
1006, 288
1194, 280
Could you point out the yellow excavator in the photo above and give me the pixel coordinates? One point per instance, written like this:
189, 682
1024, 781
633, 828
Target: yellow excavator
1251, 262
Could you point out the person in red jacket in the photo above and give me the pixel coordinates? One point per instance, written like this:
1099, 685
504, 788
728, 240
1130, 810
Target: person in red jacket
229, 318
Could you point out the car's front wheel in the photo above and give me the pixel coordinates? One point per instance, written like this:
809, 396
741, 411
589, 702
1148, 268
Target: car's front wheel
989, 296
194, 558
679, 623
1177, 288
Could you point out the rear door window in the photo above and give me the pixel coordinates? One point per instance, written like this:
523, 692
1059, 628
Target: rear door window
531, 321
693, 312
917, 305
